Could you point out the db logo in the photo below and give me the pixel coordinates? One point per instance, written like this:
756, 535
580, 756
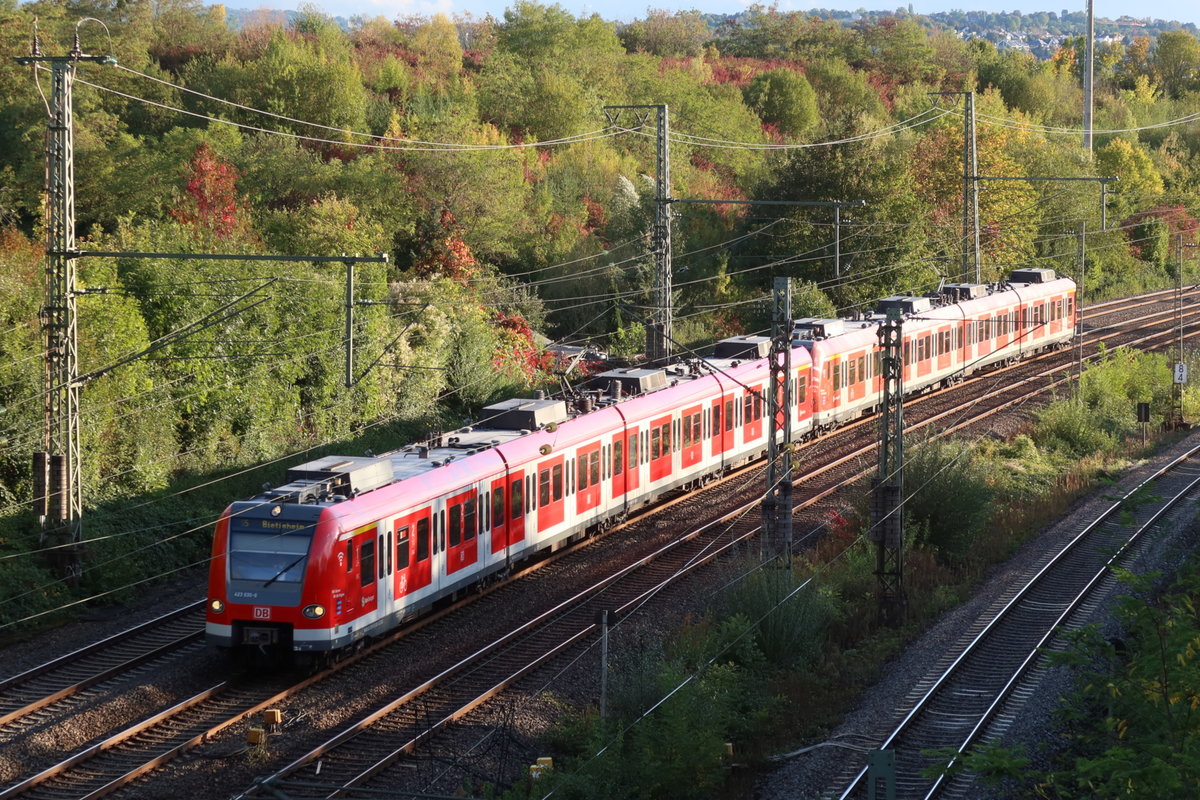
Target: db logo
262, 613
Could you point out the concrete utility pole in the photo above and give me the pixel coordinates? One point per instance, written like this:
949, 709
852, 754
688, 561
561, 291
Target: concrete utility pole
659, 332
887, 512
58, 500
1089, 50
777, 503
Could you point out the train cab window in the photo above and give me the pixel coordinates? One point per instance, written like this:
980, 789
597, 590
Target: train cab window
618, 458
556, 481
728, 415
716, 418
470, 518
498, 507
455, 532
518, 501
423, 539
801, 389
402, 549
350, 556
366, 557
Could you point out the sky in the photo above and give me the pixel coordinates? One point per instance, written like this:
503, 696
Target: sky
626, 10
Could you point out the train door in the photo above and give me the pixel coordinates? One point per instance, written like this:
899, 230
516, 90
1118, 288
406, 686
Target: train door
945, 353
618, 465
462, 529
516, 508
549, 488
722, 424
660, 448
800, 396
752, 413
692, 436
414, 552
633, 461
587, 478
499, 520
385, 562
366, 556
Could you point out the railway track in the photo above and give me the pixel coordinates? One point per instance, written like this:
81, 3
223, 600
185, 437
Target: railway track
223, 712
979, 692
66, 677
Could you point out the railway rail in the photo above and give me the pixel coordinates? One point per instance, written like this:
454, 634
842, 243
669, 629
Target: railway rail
978, 694
122, 749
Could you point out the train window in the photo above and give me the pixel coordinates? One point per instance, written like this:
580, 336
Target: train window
851, 372
675, 428
687, 432
402, 549
485, 506
594, 467
716, 418
530, 497
604, 462
655, 444
350, 555
518, 502
389, 553
366, 557
582, 474
498, 507
666, 444
382, 558
556, 482
423, 539
697, 432
747, 409
544, 487
455, 525
440, 544
618, 457
728, 415
571, 476
469, 518
758, 406
633, 451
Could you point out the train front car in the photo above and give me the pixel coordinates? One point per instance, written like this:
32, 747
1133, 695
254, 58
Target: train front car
277, 578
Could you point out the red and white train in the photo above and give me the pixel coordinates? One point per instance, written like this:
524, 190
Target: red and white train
349, 547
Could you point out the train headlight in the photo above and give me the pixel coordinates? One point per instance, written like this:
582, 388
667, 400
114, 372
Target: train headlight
315, 611
216, 605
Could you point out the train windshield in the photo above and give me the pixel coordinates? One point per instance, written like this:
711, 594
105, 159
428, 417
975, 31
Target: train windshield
268, 551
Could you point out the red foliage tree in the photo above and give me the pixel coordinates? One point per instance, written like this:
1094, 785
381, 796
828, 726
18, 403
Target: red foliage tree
211, 200
445, 253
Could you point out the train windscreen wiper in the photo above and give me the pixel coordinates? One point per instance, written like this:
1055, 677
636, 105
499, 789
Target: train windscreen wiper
281, 572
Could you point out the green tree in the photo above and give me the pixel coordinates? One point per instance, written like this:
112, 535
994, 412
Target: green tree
785, 98
1176, 60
